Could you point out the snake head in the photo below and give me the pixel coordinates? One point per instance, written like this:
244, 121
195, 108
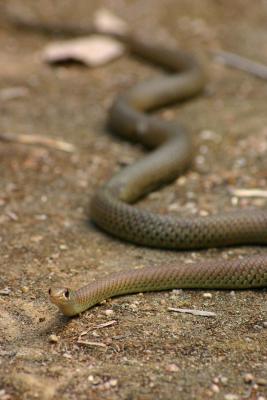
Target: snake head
59, 295
63, 298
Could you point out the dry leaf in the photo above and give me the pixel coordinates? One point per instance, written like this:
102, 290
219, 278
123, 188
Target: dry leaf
201, 313
93, 51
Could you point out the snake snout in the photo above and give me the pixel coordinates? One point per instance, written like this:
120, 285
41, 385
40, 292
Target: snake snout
59, 295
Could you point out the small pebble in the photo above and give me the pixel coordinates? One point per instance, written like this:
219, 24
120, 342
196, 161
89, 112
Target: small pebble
109, 312
36, 238
248, 378
209, 393
203, 213
261, 398
53, 339
67, 355
224, 380
264, 324
255, 386
207, 295
234, 201
200, 160
133, 307
95, 380
215, 388
104, 386
173, 207
257, 327
41, 217
25, 289
181, 181
172, 368
177, 291
209, 135
113, 382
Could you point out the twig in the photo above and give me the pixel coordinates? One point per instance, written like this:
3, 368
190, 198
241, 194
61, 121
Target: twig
201, 313
104, 325
248, 192
242, 63
39, 140
97, 344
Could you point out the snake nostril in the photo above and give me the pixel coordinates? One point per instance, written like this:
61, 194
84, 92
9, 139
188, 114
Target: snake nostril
67, 293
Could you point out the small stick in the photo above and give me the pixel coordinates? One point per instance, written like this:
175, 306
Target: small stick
85, 342
104, 325
249, 192
242, 63
201, 313
39, 140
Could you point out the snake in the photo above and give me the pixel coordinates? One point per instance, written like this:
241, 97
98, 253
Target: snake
113, 207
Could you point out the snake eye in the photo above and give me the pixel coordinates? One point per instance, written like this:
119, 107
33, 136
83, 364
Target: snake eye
67, 293
49, 291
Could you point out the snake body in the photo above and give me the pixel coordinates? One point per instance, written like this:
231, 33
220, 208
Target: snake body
112, 206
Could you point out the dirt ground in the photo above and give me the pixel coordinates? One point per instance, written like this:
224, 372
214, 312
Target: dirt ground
47, 239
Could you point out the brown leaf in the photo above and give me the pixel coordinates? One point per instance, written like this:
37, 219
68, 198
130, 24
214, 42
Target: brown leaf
93, 51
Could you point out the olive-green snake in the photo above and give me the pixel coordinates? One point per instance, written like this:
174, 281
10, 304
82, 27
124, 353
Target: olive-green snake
112, 211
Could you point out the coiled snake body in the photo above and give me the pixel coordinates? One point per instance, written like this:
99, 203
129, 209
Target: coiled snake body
112, 209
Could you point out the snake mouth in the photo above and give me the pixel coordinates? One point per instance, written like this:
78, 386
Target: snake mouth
59, 295
65, 299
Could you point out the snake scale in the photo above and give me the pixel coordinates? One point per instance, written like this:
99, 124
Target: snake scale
112, 206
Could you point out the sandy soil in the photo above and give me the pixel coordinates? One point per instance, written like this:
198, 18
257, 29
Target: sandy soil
148, 352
